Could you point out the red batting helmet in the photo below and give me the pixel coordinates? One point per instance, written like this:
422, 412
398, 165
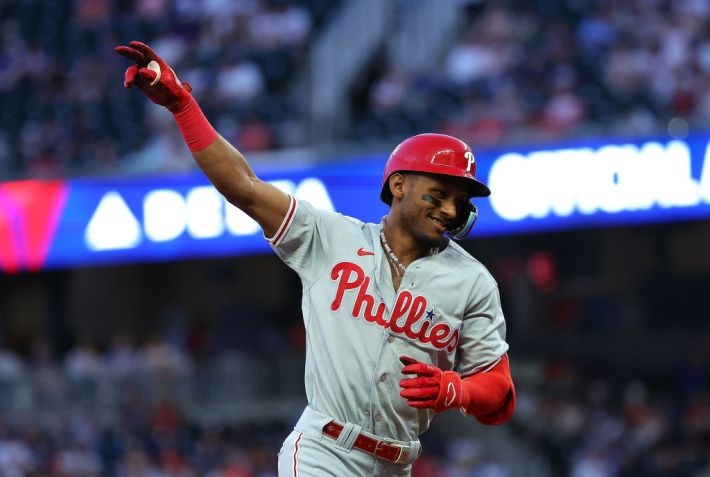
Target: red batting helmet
437, 154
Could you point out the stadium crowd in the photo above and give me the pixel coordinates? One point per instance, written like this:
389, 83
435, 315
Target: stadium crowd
519, 70
60, 81
524, 71
571, 420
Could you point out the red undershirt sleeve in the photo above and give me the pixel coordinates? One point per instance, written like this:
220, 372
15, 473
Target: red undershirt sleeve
490, 395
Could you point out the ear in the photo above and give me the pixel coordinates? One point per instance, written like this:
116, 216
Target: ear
396, 183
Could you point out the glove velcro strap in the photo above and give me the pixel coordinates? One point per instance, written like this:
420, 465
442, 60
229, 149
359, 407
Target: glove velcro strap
451, 394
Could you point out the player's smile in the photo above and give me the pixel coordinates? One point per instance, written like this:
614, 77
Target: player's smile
440, 197
439, 224
436, 227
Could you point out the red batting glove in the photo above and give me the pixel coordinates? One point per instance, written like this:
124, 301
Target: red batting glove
168, 91
432, 388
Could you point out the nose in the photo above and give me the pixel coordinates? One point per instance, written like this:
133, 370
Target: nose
448, 208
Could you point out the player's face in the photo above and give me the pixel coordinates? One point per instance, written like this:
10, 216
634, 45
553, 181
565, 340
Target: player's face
430, 204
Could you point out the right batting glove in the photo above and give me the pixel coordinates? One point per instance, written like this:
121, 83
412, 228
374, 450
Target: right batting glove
161, 85
432, 388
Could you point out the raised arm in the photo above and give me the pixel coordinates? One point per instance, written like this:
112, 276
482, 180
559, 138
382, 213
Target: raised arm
221, 162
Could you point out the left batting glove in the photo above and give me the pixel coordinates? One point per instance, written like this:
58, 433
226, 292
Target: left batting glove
161, 86
432, 388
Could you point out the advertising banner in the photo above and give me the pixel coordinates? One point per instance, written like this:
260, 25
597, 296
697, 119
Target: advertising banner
79, 222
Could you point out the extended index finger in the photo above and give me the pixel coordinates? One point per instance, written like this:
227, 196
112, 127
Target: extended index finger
147, 51
131, 54
405, 360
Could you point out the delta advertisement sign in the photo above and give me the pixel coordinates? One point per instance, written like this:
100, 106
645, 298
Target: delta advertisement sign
83, 222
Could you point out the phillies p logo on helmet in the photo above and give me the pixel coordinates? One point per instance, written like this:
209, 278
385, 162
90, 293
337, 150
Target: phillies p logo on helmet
471, 160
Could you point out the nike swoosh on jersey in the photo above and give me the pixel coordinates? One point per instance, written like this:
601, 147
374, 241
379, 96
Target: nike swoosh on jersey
362, 252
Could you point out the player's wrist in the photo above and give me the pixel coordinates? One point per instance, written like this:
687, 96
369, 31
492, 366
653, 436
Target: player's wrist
196, 130
182, 101
451, 392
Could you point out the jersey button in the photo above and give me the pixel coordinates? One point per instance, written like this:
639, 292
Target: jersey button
378, 417
390, 339
383, 378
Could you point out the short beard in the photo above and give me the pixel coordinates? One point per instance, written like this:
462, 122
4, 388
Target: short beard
427, 242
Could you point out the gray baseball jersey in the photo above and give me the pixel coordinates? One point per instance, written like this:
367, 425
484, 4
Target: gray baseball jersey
446, 312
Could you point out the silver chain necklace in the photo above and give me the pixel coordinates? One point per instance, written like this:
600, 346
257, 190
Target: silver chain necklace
398, 267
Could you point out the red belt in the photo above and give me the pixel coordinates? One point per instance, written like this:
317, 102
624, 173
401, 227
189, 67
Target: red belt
384, 450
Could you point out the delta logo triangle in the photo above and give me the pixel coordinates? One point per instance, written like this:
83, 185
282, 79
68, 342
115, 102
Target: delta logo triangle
113, 226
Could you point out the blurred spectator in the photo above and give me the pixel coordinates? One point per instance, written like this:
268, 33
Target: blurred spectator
472, 60
16, 457
254, 135
11, 367
83, 363
564, 109
240, 83
388, 92
136, 463
121, 359
161, 358
77, 460
46, 375
279, 24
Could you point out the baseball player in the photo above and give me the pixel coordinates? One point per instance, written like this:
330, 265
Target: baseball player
401, 322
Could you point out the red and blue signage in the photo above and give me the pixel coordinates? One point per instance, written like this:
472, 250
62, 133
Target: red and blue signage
83, 222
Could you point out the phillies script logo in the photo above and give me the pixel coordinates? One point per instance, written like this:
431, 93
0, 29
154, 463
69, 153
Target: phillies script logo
407, 315
29, 214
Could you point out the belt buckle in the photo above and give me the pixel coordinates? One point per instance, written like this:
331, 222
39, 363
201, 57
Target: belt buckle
402, 456
403, 453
